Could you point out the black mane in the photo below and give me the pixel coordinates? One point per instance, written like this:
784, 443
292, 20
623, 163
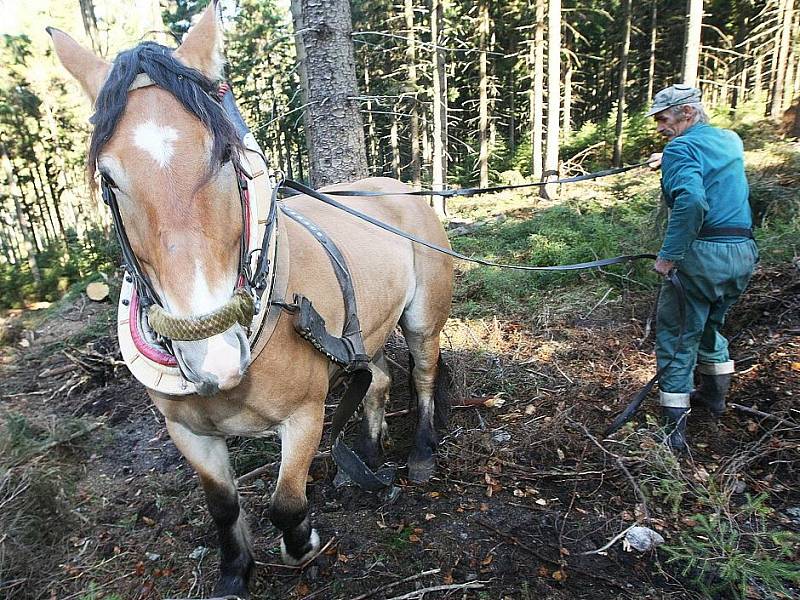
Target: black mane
192, 89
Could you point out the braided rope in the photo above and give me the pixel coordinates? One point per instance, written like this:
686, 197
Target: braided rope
239, 308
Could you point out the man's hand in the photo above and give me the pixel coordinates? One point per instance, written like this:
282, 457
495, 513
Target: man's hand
654, 162
663, 267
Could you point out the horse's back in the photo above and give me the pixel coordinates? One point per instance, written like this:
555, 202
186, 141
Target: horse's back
390, 273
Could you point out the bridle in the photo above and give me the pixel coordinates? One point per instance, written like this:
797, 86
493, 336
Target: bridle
252, 280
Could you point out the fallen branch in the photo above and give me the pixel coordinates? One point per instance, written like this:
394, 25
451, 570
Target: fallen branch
619, 461
258, 471
613, 541
303, 565
471, 585
52, 444
762, 414
553, 562
396, 583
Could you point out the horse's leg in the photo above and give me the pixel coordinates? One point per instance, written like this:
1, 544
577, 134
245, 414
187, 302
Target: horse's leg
373, 423
300, 435
423, 343
209, 457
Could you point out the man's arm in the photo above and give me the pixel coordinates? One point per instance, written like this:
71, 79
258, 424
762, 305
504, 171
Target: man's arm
683, 181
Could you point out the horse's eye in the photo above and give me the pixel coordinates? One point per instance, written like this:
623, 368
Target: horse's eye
226, 154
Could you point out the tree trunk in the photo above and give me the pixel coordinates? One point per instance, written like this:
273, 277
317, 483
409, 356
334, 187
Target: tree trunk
395, 145
372, 136
691, 50
287, 145
567, 127
537, 96
553, 90
411, 61
333, 126
651, 70
483, 125
439, 161
623, 80
512, 117
758, 77
22, 217
786, 16
90, 24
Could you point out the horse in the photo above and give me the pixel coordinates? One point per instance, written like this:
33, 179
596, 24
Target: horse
171, 158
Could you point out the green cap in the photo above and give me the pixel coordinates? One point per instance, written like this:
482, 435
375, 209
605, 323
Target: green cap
674, 95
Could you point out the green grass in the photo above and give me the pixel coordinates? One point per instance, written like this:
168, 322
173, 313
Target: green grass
618, 215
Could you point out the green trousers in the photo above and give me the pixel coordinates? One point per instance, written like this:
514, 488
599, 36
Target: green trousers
714, 275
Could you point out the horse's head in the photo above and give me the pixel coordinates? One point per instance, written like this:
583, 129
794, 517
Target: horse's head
165, 147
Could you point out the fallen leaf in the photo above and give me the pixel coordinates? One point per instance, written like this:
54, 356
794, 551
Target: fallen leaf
448, 578
429, 516
484, 507
543, 571
342, 558
413, 538
302, 589
488, 560
541, 502
564, 551
148, 521
559, 576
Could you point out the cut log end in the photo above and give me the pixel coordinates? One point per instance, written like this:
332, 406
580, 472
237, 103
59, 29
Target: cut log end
97, 291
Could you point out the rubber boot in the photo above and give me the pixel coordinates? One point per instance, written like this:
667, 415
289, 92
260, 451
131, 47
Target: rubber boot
675, 423
715, 381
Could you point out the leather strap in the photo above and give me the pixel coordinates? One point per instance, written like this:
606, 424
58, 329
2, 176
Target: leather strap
385, 226
498, 188
709, 232
347, 351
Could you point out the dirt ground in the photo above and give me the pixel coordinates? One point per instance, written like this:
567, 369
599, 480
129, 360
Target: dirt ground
523, 490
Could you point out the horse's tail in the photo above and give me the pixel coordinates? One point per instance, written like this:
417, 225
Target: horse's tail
441, 391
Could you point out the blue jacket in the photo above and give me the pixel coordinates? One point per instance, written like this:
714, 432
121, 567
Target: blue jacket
703, 180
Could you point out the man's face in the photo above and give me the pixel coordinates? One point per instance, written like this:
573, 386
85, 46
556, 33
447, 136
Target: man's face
670, 124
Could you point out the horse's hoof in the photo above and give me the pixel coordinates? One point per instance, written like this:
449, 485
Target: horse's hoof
313, 542
421, 471
231, 587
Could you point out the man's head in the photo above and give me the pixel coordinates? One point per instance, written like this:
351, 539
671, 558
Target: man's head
677, 108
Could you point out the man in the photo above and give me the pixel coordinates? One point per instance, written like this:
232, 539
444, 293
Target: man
709, 242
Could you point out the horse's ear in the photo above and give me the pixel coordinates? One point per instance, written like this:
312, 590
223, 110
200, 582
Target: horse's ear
202, 47
84, 65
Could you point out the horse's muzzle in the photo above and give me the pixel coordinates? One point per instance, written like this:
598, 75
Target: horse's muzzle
217, 363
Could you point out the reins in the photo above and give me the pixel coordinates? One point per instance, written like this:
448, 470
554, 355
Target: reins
449, 193
672, 277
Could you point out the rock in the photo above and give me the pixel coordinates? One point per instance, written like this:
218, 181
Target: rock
198, 553
641, 539
501, 437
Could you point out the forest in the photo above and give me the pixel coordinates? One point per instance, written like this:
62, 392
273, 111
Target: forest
531, 501
449, 94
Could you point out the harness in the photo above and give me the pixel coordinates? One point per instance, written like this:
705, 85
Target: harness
146, 330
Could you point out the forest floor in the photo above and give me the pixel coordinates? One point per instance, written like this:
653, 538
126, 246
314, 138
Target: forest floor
98, 504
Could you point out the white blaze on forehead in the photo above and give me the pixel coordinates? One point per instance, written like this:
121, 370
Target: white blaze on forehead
205, 300
156, 140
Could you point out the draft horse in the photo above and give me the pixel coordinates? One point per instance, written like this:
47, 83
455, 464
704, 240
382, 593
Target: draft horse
171, 157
